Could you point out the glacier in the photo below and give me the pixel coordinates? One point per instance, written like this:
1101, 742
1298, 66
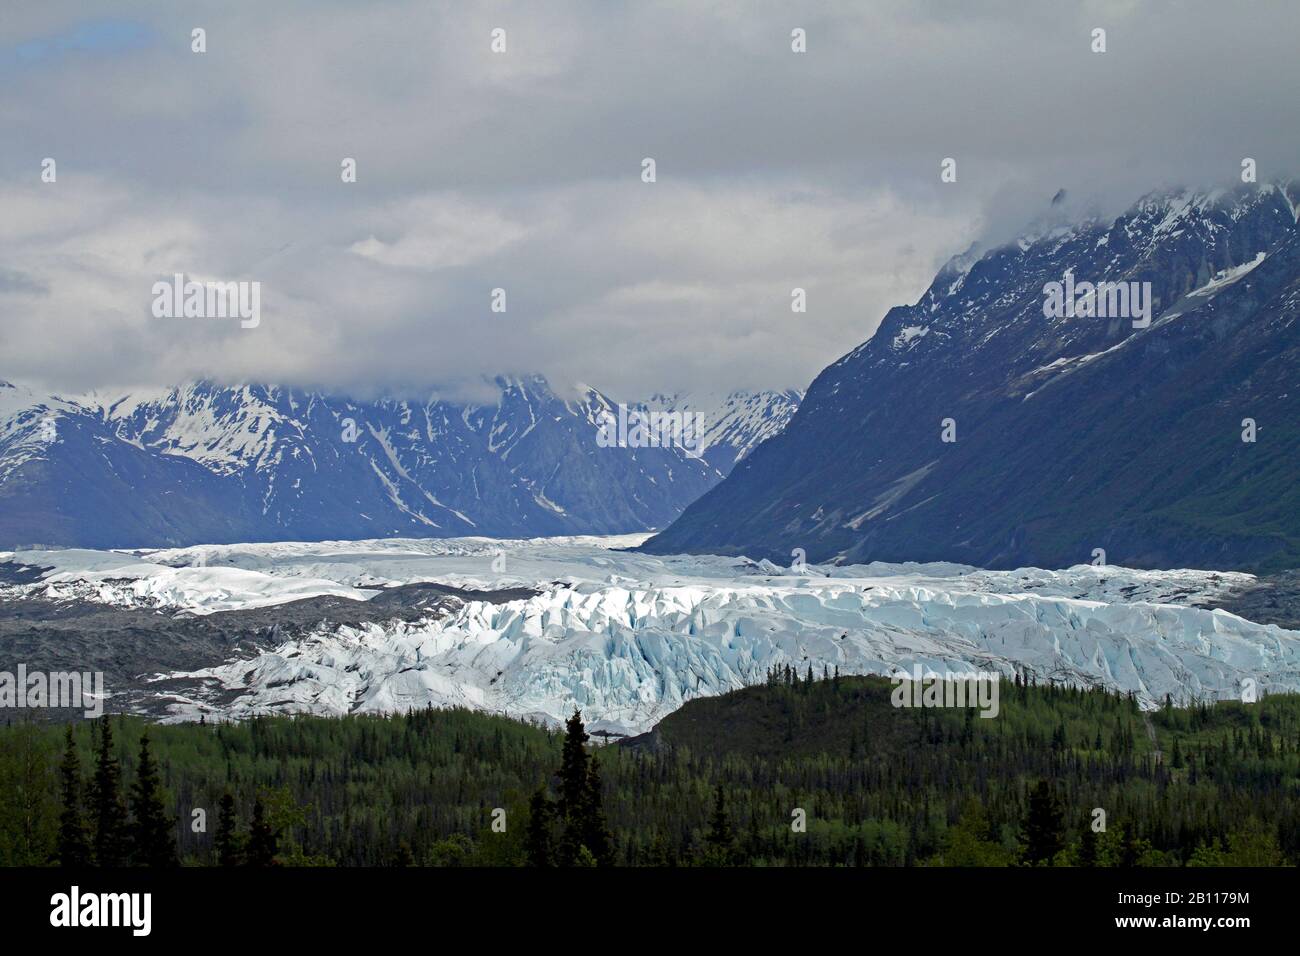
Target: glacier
629, 637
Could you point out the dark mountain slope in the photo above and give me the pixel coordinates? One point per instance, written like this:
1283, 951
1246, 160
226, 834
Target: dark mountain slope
1072, 434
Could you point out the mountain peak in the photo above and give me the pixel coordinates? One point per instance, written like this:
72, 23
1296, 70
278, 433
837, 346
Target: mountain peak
205, 462
1116, 430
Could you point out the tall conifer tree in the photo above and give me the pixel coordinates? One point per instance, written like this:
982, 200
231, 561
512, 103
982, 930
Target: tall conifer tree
262, 842
153, 840
107, 808
74, 837
537, 838
228, 844
1044, 830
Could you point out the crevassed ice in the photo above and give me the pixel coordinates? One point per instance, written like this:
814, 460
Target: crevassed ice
628, 637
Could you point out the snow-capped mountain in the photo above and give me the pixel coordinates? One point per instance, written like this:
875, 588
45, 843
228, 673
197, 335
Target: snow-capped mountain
984, 425
629, 637
205, 463
735, 423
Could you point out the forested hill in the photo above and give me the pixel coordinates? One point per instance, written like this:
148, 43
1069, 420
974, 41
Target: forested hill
726, 780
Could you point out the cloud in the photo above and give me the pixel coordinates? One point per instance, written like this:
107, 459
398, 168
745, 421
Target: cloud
521, 171
13, 282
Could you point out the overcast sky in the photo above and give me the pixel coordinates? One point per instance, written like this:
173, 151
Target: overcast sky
522, 170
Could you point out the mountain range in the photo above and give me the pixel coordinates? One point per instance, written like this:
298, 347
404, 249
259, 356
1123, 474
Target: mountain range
206, 463
983, 425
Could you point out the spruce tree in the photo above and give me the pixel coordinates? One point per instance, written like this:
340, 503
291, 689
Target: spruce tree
573, 766
1044, 833
108, 810
228, 844
573, 790
1088, 845
595, 832
74, 838
537, 837
262, 842
720, 841
153, 842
